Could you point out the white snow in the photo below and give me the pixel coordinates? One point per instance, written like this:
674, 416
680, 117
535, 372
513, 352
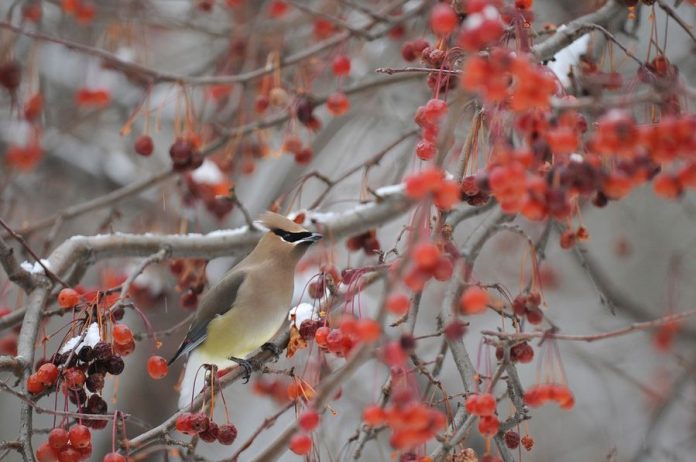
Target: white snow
567, 57
92, 337
303, 311
208, 173
35, 268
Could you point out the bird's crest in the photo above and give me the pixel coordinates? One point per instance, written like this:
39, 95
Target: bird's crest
274, 221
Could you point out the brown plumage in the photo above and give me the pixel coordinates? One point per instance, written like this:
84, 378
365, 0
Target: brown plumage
272, 221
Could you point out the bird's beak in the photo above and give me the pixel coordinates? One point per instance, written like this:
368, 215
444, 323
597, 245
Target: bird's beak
314, 237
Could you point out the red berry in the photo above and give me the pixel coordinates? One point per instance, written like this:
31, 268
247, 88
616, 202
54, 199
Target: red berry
512, 439
277, 8
443, 19
474, 300
340, 65
373, 415
80, 436
301, 444
489, 425
426, 255
45, 453
69, 454
47, 374
58, 438
425, 150
321, 335
74, 378
67, 298
199, 422
398, 304
485, 405
114, 457
183, 423
122, 334
308, 420
227, 434
157, 367
528, 442
34, 384
144, 145
337, 104
454, 330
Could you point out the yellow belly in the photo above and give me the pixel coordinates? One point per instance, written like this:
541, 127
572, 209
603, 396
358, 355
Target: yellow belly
238, 333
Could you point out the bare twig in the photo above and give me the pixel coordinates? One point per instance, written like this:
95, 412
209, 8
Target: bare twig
638, 326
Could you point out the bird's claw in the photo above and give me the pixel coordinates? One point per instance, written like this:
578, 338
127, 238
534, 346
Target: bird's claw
273, 348
246, 365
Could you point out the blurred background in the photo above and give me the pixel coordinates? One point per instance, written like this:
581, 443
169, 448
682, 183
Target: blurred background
634, 401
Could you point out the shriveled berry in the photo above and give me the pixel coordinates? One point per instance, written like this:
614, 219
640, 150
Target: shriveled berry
102, 351
95, 382
227, 434
96, 404
115, 365
183, 423
308, 328
512, 439
210, 434
199, 422
528, 442
74, 378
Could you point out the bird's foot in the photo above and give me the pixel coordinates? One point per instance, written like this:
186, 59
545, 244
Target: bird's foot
246, 365
273, 348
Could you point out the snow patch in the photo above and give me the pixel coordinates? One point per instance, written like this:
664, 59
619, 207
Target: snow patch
568, 57
92, 337
208, 173
35, 268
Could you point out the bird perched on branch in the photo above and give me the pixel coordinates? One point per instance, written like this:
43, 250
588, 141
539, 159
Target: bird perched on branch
247, 307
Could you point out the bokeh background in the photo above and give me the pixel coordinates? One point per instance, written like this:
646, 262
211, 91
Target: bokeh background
634, 402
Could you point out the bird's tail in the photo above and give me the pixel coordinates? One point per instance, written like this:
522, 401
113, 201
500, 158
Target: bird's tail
194, 378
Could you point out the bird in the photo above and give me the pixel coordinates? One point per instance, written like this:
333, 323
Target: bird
242, 312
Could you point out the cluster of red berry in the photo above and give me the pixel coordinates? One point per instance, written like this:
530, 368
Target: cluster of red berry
412, 423
293, 144
540, 394
431, 182
82, 371
527, 304
484, 405
522, 352
185, 153
483, 26
366, 241
505, 77
301, 443
191, 280
474, 300
428, 118
83, 11
67, 446
215, 197
350, 332
206, 429
428, 261
512, 440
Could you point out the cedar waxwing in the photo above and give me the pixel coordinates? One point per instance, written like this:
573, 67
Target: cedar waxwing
247, 307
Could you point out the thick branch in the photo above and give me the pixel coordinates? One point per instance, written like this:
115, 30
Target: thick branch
15, 272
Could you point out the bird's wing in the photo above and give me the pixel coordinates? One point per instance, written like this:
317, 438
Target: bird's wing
216, 302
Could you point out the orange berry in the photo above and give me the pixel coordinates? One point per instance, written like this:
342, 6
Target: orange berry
67, 298
308, 420
474, 300
301, 444
157, 367
34, 384
398, 304
426, 255
122, 334
373, 415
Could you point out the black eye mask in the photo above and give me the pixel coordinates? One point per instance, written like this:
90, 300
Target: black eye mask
290, 237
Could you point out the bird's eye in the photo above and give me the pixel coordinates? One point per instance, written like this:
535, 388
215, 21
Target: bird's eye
290, 237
